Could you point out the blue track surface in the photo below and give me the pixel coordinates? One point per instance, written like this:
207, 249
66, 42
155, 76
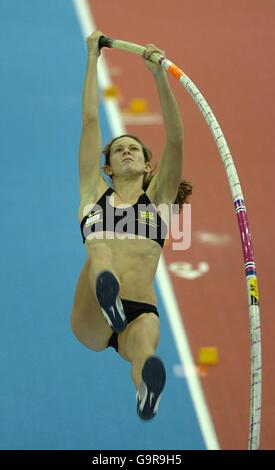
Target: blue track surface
54, 393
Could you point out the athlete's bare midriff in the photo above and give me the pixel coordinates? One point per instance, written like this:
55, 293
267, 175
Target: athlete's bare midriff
135, 261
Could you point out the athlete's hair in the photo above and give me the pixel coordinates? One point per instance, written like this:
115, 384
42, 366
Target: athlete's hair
184, 189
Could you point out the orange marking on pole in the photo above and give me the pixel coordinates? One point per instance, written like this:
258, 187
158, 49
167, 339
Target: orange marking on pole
176, 71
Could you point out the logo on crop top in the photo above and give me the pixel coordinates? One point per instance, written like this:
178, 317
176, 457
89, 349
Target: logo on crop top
147, 217
144, 221
93, 217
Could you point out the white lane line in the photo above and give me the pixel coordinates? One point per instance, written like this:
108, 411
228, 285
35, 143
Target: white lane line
165, 286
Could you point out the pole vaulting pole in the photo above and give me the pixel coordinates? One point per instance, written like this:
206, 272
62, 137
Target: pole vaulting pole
241, 213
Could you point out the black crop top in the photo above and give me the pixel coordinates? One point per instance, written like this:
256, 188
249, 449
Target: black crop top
140, 219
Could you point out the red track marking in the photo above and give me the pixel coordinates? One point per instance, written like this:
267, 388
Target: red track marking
227, 50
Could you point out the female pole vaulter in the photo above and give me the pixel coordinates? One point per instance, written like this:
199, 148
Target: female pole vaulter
115, 302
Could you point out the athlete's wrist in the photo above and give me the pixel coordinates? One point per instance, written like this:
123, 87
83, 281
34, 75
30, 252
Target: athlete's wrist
159, 73
93, 54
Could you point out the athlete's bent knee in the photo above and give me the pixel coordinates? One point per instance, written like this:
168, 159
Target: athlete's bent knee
95, 344
147, 331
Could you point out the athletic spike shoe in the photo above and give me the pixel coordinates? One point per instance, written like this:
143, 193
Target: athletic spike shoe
149, 394
107, 293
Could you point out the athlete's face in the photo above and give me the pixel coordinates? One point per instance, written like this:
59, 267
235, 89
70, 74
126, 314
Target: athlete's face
127, 158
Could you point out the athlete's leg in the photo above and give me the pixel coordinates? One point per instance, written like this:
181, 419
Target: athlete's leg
105, 284
138, 345
87, 321
138, 342
101, 260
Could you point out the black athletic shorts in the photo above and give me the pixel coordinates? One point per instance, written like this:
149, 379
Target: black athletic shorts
132, 310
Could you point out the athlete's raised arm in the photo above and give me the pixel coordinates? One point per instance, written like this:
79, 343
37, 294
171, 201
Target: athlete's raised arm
90, 144
166, 182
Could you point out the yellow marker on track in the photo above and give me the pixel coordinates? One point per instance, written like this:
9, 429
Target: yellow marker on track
208, 355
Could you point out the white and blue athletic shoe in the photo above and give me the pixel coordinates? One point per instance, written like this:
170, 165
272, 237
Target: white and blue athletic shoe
149, 394
107, 293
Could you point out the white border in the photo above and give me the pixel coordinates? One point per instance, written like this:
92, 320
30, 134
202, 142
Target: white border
165, 286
